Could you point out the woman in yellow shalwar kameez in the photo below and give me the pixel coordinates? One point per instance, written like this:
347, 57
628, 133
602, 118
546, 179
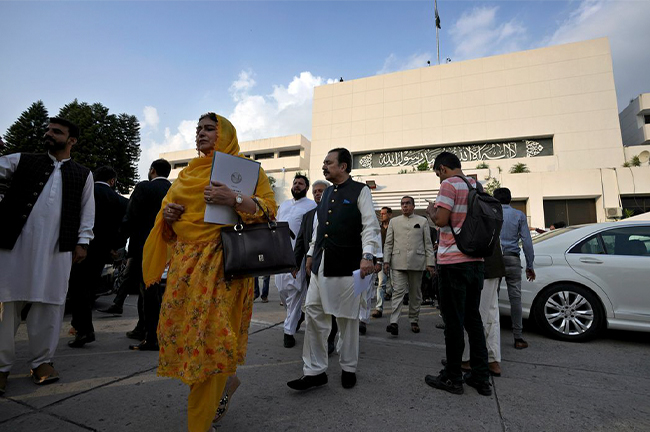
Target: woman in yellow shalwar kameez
204, 319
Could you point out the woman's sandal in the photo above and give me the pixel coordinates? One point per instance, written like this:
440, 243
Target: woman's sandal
231, 386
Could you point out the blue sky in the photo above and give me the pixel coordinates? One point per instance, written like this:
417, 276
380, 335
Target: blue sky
257, 62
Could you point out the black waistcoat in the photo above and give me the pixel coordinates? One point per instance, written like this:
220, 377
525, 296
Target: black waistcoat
27, 183
339, 230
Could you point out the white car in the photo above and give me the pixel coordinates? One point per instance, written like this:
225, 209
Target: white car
589, 278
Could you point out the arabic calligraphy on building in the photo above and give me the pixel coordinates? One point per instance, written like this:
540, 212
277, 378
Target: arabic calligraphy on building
466, 153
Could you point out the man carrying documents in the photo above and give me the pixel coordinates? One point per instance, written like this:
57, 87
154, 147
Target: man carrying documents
343, 242
293, 290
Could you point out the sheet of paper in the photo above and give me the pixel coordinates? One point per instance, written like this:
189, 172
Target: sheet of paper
360, 285
240, 175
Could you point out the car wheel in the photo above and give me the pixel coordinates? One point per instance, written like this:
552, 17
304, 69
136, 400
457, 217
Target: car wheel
569, 312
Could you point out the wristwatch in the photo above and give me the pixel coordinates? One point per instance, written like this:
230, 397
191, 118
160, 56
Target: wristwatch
367, 256
239, 199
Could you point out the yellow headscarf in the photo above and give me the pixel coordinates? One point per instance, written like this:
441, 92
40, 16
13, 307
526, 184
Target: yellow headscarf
187, 190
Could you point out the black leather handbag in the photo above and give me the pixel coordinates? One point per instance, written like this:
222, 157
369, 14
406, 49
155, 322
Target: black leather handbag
259, 249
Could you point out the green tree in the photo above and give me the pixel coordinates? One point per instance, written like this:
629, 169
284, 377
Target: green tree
519, 168
26, 134
424, 166
106, 139
491, 185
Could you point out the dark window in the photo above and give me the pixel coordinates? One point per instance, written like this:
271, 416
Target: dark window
647, 118
519, 205
592, 245
263, 156
631, 241
288, 153
180, 165
635, 205
571, 212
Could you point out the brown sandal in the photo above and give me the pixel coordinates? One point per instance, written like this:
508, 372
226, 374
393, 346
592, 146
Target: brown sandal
415, 328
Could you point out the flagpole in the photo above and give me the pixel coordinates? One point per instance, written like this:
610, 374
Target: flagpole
437, 28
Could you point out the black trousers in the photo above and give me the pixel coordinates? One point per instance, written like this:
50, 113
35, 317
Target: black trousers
460, 295
149, 301
84, 280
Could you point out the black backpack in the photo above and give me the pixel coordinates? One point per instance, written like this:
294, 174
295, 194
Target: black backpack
480, 231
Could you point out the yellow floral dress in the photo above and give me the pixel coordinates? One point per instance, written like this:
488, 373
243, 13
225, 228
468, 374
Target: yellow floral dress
204, 319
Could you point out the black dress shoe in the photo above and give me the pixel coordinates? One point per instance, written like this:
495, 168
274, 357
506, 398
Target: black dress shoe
307, 382
289, 341
112, 309
348, 379
144, 346
362, 328
136, 334
441, 382
393, 329
482, 387
81, 339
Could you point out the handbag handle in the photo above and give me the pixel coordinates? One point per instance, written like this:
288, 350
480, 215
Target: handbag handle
271, 223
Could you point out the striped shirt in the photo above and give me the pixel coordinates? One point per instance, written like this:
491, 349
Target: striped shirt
453, 197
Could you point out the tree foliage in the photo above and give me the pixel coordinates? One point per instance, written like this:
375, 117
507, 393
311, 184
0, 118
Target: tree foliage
482, 165
105, 139
26, 134
491, 185
519, 168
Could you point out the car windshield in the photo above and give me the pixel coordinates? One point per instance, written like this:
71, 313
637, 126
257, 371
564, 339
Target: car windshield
553, 233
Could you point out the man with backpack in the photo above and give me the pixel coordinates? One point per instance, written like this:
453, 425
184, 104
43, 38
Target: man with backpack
460, 275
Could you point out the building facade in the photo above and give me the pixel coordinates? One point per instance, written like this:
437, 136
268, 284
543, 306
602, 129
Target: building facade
553, 109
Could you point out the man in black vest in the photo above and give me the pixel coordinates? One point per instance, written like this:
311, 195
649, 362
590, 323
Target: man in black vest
86, 276
47, 219
345, 240
141, 212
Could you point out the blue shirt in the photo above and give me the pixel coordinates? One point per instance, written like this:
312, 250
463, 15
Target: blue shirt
515, 227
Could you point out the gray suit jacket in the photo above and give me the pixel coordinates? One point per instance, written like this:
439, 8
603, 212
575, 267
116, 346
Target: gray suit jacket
408, 243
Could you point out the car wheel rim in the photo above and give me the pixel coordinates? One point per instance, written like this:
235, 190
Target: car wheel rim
569, 313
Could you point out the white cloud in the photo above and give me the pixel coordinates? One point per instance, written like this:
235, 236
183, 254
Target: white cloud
242, 85
395, 64
183, 139
625, 23
477, 33
151, 118
286, 111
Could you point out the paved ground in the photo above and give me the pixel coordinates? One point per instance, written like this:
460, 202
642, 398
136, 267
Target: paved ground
552, 386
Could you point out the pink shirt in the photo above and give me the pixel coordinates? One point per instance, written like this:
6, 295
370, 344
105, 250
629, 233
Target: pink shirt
453, 197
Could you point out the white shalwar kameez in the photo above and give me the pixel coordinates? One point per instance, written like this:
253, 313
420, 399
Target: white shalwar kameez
35, 271
293, 290
335, 296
